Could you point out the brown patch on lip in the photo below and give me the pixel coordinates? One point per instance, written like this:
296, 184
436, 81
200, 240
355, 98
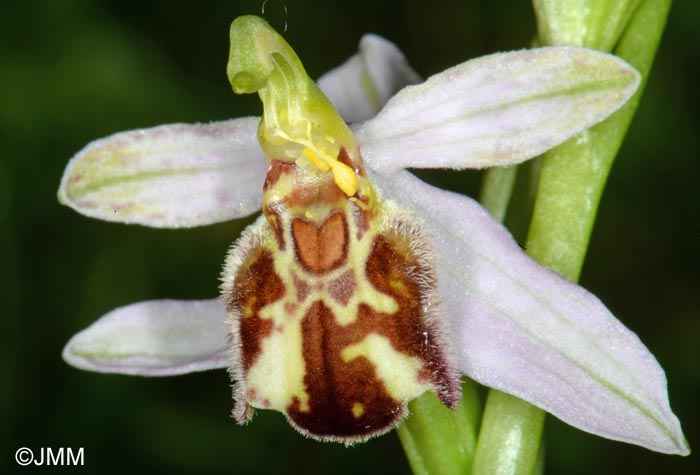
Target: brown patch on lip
361, 218
321, 248
336, 386
392, 273
256, 285
342, 288
393, 270
303, 289
275, 171
344, 158
308, 192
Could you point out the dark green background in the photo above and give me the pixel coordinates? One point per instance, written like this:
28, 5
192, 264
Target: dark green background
74, 71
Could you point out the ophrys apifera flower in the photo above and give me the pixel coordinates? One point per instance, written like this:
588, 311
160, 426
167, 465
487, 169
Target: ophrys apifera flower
361, 287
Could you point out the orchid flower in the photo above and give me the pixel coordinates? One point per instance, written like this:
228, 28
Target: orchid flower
482, 307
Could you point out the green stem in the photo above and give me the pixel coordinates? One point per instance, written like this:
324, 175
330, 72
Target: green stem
572, 179
573, 175
510, 436
438, 440
496, 190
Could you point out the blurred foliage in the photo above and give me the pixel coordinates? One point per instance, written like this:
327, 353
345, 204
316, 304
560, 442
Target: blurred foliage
78, 70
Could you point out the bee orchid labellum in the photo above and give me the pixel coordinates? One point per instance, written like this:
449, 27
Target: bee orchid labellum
331, 294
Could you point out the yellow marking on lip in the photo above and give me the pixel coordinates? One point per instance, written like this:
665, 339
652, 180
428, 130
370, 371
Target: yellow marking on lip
399, 286
398, 371
248, 310
277, 375
357, 410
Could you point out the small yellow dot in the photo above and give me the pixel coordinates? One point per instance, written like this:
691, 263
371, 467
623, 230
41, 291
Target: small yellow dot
248, 309
357, 410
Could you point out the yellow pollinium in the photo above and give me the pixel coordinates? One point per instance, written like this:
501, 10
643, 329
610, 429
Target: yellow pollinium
343, 175
299, 122
345, 178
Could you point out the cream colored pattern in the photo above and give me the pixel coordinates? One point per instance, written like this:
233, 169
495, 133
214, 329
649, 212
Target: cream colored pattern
276, 377
398, 371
